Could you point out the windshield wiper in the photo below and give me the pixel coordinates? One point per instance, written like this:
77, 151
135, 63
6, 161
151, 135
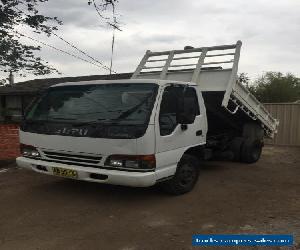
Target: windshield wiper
131, 110
79, 124
61, 118
108, 111
35, 121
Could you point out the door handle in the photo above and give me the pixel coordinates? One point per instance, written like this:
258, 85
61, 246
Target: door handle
199, 133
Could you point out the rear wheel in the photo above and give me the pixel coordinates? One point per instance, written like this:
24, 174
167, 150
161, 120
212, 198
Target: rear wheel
185, 177
252, 146
236, 147
251, 150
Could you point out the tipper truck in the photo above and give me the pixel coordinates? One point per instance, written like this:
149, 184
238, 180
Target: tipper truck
180, 108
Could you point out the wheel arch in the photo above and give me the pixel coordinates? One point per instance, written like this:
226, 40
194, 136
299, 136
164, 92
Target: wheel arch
196, 151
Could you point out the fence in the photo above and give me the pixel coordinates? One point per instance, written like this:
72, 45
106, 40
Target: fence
288, 115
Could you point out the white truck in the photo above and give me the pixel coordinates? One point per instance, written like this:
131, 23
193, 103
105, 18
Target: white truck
179, 108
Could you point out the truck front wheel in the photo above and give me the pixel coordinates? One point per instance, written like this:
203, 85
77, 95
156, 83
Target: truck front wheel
185, 177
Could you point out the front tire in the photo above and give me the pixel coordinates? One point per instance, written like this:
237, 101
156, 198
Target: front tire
185, 177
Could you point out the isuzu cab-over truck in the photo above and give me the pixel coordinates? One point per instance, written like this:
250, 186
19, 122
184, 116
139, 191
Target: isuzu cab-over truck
179, 108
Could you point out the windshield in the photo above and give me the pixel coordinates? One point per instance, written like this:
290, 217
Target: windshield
106, 103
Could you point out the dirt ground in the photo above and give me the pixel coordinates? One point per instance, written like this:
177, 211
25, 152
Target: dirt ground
45, 212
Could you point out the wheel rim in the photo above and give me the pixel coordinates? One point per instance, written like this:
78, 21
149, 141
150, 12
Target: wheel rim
187, 175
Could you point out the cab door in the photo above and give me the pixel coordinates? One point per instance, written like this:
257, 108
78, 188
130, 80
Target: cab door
172, 138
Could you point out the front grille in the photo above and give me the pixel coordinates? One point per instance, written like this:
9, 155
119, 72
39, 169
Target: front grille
72, 158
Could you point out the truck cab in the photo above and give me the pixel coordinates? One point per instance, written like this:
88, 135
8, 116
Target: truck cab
153, 128
133, 136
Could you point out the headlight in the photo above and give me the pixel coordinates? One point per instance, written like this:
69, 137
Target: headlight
29, 151
138, 162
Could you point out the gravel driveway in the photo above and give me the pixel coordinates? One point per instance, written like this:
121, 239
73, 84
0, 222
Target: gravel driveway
45, 212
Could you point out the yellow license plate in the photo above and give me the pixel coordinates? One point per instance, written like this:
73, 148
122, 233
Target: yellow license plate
65, 172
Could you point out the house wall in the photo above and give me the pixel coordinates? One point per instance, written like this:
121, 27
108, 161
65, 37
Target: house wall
2, 100
12, 107
9, 141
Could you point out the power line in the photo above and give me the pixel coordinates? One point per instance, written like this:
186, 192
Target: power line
73, 46
83, 52
60, 50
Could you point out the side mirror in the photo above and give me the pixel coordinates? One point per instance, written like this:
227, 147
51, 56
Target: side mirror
187, 110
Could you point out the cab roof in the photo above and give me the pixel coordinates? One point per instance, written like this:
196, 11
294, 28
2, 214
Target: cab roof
96, 82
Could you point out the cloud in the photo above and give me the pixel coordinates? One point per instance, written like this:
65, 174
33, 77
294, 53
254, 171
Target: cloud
269, 31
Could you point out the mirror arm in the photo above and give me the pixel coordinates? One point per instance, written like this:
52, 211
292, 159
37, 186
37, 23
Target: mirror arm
184, 127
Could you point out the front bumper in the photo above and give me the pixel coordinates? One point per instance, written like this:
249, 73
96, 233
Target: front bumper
115, 177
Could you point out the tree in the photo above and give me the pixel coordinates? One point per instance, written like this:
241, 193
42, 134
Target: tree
104, 5
15, 56
276, 87
244, 79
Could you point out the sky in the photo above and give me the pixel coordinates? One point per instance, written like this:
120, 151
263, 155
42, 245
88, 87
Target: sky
269, 30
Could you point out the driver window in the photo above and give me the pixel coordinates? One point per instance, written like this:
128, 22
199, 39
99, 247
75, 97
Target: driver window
168, 110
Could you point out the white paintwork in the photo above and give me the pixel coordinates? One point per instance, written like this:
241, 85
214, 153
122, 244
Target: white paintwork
78, 145
114, 177
196, 74
209, 79
168, 149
